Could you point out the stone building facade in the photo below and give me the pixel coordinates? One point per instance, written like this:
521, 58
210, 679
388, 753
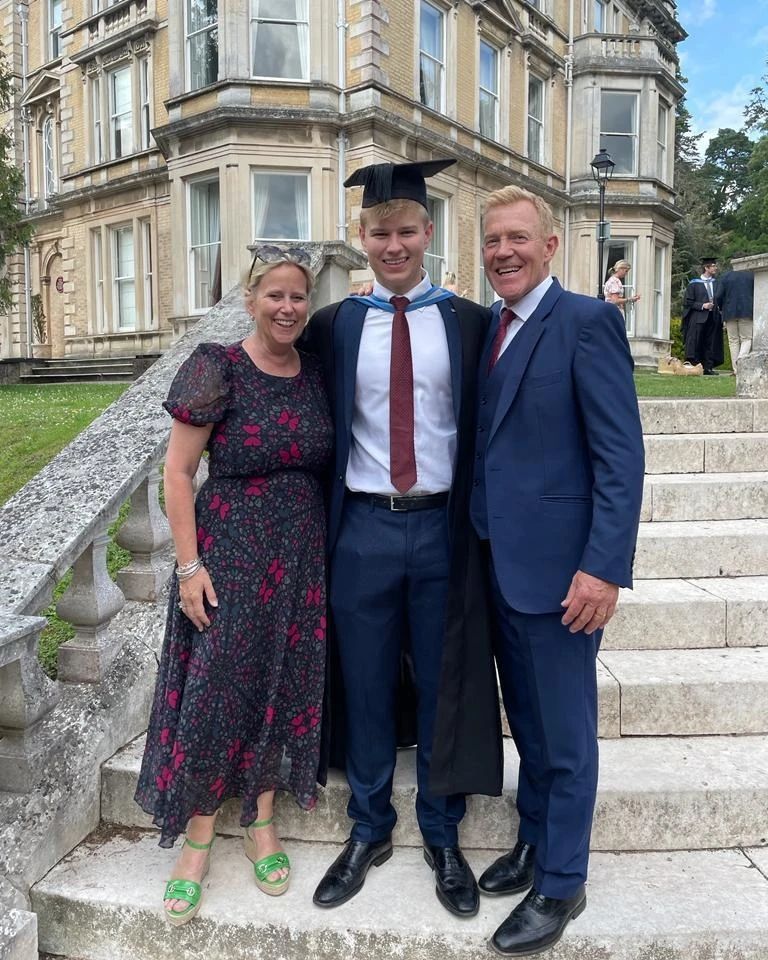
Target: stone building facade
165, 136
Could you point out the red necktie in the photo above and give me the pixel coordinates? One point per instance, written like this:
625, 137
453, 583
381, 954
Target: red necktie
506, 317
402, 456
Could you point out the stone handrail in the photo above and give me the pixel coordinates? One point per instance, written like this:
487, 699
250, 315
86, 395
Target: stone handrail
60, 520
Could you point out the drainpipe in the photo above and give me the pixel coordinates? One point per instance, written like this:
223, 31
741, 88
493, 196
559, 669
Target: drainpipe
568, 149
341, 139
23, 12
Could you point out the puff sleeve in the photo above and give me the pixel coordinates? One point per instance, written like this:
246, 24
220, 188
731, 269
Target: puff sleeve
199, 394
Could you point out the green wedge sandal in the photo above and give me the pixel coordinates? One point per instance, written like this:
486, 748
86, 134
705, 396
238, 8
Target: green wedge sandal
262, 868
187, 890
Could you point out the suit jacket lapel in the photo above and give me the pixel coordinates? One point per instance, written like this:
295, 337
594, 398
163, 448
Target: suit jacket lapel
453, 335
522, 347
348, 329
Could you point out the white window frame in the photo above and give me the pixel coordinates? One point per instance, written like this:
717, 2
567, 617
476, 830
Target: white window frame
209, 178
280, 172
301, 24
55, 12
436, 261
97, 126
633, 136
659, 288
114, 116
50, 174
97, 274
662, 136
145, 104
189, 36
492, 95
119, 281
628, 251
146, 265
531, 119
440, 106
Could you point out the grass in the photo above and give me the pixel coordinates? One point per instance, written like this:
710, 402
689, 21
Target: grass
36, 422
658, 385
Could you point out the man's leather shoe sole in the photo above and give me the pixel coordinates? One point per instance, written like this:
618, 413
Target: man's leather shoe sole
506, 891
445, 899
348, 889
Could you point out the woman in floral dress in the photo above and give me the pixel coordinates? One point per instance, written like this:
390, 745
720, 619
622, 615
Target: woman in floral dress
237, 706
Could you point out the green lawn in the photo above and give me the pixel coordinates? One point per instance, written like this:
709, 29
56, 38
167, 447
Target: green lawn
36, 422
658, 385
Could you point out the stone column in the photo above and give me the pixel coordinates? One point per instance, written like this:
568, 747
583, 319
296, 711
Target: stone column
752, 370
146, 535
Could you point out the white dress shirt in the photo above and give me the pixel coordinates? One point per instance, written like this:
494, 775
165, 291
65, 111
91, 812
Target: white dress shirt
434, 420
523, 309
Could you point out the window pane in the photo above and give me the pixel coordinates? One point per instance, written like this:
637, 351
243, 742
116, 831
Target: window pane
534, 140
204, 58
281, 207
618, 112
280, 9
431, 34
121, 90
622, 151
430, 77
205, 236
279, 50
488, 71
487, 114
201, 14
535, 99
204, 210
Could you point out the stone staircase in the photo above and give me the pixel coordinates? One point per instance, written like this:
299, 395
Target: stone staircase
680, 840
97, 370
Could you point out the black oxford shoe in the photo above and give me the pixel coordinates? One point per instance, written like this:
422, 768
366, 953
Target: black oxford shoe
536, 923
456, 887
346, 875
511, 873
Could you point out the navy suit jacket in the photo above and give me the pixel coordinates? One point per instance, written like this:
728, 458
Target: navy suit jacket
564, 460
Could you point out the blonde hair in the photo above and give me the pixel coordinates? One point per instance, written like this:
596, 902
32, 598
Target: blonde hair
513, 194
258, 270
383, 211
619, 264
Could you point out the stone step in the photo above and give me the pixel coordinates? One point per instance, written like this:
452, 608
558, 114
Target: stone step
706, 453
677, 415
705, 496
691, 692
711, 548
77, 376
655, 793
103, 902
18, 935
670, 614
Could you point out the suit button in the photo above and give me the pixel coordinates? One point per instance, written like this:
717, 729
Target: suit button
340, 478
475, 483
478, 456
481, 429
483, 400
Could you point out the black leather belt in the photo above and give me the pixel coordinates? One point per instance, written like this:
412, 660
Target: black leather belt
400, 504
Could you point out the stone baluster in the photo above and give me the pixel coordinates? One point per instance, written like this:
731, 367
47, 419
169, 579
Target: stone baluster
146, 535
752, 370
89, 604
26, 696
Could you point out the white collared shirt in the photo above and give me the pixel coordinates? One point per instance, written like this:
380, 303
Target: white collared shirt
523, 309
434, 420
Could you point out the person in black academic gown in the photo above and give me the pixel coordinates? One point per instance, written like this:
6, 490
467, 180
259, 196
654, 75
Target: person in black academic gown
702, 327
405, 570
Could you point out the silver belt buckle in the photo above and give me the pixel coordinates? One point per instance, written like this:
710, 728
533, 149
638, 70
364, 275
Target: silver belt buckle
393, 507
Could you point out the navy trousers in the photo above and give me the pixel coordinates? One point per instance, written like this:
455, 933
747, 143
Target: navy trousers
549, 686
389, 579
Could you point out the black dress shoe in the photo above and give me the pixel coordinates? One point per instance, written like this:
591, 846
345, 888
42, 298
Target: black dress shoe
536, 923
456, 887
346, 875
711, 373
511, 873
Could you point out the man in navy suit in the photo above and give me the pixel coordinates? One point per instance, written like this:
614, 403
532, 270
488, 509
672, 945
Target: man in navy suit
556, 498
405, 566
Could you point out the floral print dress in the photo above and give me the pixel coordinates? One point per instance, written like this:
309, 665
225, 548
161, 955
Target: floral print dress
237, 707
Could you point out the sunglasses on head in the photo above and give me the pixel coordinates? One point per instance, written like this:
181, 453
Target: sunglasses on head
269, 253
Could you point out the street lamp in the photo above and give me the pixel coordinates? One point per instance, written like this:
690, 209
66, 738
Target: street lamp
602, 168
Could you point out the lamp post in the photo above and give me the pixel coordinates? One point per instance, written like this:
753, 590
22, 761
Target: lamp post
602, 168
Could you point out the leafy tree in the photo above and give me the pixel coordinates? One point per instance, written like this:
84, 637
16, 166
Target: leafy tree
750, 230
756, 111
726, 163
13, 231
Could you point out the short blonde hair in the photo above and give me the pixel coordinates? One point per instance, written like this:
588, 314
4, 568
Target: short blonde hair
619, 264
383, 211
258, 270
513, 194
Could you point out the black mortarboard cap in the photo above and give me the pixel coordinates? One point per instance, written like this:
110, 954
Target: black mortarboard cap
382, 182
705, 261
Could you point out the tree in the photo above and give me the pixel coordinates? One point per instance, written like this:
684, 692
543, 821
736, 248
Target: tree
14, 232
725, 168
756, 111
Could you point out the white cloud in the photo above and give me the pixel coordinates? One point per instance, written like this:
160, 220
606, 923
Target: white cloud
724, 110
760, 39
707, 10
692, 13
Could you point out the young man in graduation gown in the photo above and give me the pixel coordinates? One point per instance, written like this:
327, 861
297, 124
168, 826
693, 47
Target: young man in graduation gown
556, 500
702, 323
404, 561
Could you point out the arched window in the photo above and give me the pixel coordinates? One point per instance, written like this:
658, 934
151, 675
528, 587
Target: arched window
49, 158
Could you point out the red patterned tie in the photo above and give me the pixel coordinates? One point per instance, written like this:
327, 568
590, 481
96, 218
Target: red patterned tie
402, 456
506, 317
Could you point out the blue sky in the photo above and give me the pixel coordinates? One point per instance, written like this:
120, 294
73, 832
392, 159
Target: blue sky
724, 57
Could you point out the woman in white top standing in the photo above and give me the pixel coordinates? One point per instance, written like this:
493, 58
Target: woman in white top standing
613, 289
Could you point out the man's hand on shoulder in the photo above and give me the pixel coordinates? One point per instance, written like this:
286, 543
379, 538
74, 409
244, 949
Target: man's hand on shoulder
590, 603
